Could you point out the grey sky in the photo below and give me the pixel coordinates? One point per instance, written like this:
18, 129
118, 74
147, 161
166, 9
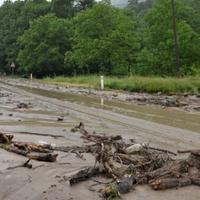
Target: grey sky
115, 2
1, 1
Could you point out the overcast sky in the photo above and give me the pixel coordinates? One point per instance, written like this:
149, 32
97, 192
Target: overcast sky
116, 2
1, 1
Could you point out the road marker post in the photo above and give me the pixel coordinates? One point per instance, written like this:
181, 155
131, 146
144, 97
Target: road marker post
102, 82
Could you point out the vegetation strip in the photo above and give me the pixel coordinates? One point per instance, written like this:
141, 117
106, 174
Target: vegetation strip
134, 84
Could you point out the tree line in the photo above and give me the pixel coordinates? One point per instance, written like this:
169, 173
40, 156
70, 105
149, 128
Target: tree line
71, 37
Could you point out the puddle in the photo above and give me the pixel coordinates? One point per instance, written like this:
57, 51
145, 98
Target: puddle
169, 116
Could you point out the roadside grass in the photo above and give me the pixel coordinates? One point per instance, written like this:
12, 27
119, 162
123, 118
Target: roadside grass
133, 83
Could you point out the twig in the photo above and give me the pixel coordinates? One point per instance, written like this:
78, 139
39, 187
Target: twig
101, 182
26, 164
163, 150
187, 151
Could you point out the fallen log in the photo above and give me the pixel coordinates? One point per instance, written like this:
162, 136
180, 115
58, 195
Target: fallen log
12, 148
196, 181
84, 174
47, 157
167, 183
33, 151
46, 148
194, 151
171, 169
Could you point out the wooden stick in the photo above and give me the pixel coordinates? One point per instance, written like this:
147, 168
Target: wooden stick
26, 164
163, 150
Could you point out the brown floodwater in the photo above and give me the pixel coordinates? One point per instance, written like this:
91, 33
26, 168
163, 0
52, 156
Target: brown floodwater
169, 116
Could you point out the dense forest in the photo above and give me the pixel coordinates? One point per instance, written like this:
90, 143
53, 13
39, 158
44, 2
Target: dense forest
71, 37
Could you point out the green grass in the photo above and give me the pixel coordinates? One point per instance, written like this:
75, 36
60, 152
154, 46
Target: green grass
134, 83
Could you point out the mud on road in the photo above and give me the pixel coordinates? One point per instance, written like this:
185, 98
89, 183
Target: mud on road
39, 122
179, 101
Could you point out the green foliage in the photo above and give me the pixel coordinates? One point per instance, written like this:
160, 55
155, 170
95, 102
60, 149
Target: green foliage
113, 192
158, 52
104, 42
154, 85
9, 30
134, 83
88, 37
14, 19
44, 44
63, 8
83, 4
140, 6
85, 81
68, 8
193, 13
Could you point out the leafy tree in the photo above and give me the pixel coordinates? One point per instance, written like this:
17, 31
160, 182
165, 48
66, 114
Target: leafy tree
193, 14
63, 8
84, 4
140, 6
44, 45
68, 8
8, 31
15, 17
159, 44
99, 38
104, 41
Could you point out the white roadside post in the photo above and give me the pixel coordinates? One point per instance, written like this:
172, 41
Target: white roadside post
102, 83
31, 78
12, 67
102, 88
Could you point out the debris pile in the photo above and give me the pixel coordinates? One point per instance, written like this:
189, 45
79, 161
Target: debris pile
40, 152
166, 101
23, 105
185, 101
129, 163
124, 161
60, 118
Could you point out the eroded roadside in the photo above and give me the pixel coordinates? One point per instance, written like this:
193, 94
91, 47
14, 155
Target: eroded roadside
184, 102
49, 180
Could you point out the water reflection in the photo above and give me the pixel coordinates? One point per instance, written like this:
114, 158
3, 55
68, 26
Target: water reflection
102, 101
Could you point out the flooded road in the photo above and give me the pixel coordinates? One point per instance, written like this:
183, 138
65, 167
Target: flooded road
171, 129
171, 117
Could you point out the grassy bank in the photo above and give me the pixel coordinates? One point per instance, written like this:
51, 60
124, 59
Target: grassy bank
134, 83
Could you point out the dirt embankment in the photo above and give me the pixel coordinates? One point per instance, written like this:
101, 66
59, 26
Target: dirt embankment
186, 102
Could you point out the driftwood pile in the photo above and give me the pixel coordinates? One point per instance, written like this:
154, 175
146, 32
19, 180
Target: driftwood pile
129, 163
32, 151
124, 161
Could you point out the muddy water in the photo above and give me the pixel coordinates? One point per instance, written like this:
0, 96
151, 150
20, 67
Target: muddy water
169, 117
